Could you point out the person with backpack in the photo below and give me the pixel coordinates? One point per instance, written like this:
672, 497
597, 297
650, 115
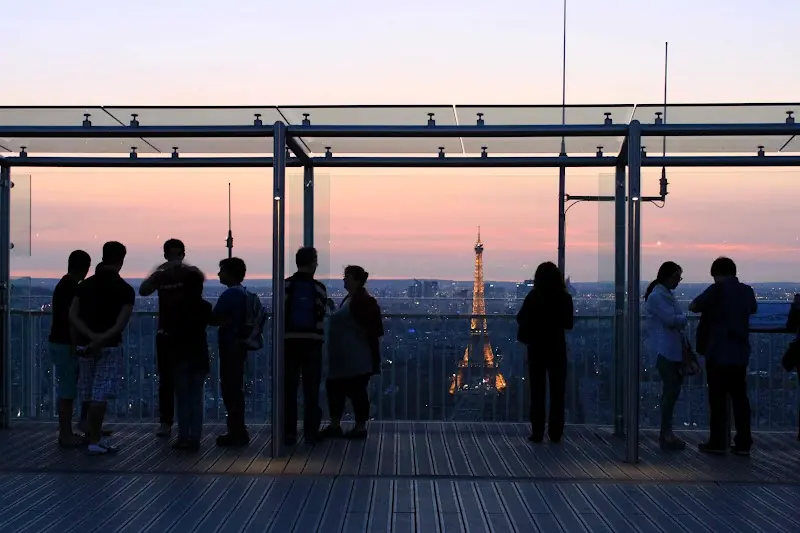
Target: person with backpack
306, 303
240, 317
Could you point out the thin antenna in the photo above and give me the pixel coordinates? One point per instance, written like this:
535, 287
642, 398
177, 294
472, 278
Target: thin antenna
664, 116
229, 242
564, 76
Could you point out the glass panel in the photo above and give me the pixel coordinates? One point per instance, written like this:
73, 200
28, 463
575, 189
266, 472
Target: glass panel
194, 116
54, 116
37, 146
600, 370
212, 145
541, 145
495, 115
714, 145
369, 115
20, 229
717, 113
379, 145
793, 146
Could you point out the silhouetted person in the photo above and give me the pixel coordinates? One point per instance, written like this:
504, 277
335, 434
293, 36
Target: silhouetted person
230, 314
62, 346
168, 279
191, 361
546, 314
666, 322
730, 304
306, 301
99, 313
793, 326
354, 332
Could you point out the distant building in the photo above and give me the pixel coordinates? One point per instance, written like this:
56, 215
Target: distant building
524, 288
423, 289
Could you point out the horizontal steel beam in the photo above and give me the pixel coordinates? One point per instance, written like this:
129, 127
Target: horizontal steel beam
121, 132
577, 198
722, 161
715, 130
463, 162
145, 162
537, 130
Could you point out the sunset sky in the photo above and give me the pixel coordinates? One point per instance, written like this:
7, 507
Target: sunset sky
401, 224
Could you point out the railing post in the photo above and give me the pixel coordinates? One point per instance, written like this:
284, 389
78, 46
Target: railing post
562, 217
5, 295
632, 335
278, 251
308, 205
619, 302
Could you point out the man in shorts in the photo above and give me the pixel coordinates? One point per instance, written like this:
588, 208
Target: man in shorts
100, 313
61, 348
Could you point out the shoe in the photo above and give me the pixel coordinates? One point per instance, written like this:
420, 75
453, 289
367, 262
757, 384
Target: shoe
671, 444
233, 439
740, 451
164, 430
356, 434
101, 448
330, 432
105, 432
181, 444
707, 447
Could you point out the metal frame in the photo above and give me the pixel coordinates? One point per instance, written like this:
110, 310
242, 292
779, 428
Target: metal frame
289, 138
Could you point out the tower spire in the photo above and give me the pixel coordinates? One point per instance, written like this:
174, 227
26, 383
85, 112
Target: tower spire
479, 352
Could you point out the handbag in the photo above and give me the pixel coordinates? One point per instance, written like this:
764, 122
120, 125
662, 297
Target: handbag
791, 357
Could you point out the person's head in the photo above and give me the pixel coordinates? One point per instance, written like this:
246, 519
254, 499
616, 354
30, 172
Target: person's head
669, 275
306, 259
548, 278
355, 277
78, 264
114, 255
232, 271
722, 268
174, 250
193, 283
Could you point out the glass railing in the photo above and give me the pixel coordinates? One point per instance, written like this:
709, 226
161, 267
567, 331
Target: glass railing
421, 354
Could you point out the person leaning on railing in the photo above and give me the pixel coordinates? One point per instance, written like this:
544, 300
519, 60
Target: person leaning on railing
666, 323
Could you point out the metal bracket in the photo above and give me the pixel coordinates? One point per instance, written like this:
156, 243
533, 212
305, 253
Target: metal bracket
608, 121
431, 120
134, 122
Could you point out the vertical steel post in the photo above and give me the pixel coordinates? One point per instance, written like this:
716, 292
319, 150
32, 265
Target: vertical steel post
308, 205
5, 295
562, 219
632, 335
278, 254
619, 302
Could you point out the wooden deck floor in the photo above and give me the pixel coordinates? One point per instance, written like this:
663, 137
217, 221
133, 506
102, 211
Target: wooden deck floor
407, 476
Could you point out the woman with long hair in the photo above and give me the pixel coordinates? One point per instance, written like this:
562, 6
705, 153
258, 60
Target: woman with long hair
546, 314
666, 323
354, 332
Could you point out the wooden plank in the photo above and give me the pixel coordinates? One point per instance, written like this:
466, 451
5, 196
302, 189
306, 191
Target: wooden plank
521, 519
425, 506
442, 464
351, 463
311, 513
387, 458
474, 517
202, 506
404, 449
333, 462
268, 508
605, 508
242, 510
289, 510
455, 450
403, 523
338, 498
560, 509
160, 517
380, 512
423, 459
98, 512
238, 490
371, 455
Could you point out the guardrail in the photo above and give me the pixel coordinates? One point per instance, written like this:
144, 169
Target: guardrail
420, 354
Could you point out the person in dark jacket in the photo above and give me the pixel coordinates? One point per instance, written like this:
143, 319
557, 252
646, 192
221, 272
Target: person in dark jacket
191, 361
793, 326
354, 333
546, 314
729, 304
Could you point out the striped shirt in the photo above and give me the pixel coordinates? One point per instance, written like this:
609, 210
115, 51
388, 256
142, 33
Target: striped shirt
317, 332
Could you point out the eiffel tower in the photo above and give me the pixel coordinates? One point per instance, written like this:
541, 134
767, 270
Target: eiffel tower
478, 370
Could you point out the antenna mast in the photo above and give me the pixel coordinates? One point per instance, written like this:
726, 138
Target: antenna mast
229, 241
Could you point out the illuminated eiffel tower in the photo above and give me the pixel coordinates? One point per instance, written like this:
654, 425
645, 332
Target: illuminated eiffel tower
478, 370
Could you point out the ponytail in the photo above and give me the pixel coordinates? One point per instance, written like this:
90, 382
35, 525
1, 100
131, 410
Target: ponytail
650, 289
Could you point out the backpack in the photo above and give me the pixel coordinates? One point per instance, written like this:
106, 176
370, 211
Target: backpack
301, 312
254, 320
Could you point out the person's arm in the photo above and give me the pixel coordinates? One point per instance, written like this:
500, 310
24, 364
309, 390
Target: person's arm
221, 314
123, 317
569, 313
78, 325
705, 300
664, 310
524, 314
152, 283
